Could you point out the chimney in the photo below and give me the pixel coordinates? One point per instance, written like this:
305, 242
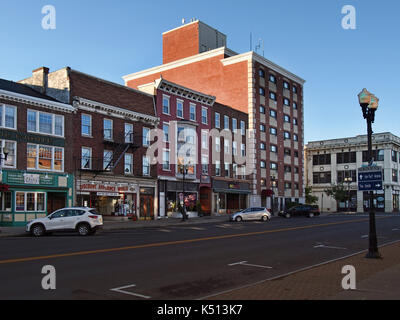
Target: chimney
39, 79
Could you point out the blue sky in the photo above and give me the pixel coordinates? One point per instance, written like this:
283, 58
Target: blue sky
110, 39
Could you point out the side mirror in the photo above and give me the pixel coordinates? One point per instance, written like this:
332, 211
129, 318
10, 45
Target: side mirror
49, 217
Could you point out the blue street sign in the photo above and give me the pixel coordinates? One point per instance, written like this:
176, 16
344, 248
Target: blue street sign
370, 178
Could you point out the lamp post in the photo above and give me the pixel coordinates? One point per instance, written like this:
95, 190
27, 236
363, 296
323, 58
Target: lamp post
3, 156
369, 105
273, 185
348, 180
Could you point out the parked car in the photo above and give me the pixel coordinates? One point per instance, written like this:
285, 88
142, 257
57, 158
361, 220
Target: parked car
85, 221
301, 210
256, 213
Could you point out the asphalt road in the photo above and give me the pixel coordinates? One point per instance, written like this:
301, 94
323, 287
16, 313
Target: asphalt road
180, 262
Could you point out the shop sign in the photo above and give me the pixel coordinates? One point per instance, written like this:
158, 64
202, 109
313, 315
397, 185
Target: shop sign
108, 188
29, 178
234, 185
108, 194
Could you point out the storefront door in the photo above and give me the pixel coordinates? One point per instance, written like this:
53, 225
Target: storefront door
55, 201
146, 206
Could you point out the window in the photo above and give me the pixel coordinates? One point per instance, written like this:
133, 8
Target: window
165, 165
294, 105
243, 149
11, 147
30, 201
227, 169
226, 146
128, 133
288, 185
146, 166
8, 117
234, 148
45, 157
272, 113
204, 164
272, 96
294, 89
273, 166
322, 177
262, 146
243, 128
262, 92
204, 116
341, 175
286, 118
192, 110
179, 108
262, 109
165, 105
86, 126
261, 73
286, 135
86, 158
46, 123
272, 130
273, 148
166, 132
226, 122
5, 201
296, 154
204, 139
217, 120
146, 137
263, 164
394, 175
235, 170
286, 102
262, 127
217, 168
295, 137
394, 156
321, 159
346, 157
234, 125
272, 78
378, 155
286, 85
107, 159
287, 152
128, 163
217, 144
295, 121
287, 169
108, 129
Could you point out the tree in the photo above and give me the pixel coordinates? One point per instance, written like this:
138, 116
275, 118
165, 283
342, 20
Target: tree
338, 192
310, 198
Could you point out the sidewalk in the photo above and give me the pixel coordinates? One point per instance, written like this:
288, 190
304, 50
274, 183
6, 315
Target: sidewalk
126, 225
375, 280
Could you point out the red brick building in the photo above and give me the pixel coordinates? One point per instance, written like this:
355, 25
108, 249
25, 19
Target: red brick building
196, 56
109, 141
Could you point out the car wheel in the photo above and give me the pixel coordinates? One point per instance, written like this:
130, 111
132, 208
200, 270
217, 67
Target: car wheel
38, 230
287, 215
311, 215
83, 229
264, 218
238, 219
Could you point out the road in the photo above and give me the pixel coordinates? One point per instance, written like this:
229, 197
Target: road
180, 262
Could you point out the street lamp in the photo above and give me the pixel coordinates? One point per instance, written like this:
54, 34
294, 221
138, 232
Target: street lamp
273, 185
369, 105
3, 156
348, 180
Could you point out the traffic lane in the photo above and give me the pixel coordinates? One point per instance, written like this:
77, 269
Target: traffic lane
188, 270
14, 248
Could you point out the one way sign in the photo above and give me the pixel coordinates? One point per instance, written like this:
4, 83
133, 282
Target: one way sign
370, 178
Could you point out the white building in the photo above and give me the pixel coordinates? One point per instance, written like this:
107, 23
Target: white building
329, 162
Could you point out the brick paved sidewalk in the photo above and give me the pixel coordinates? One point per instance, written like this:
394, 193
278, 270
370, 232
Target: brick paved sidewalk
376, 279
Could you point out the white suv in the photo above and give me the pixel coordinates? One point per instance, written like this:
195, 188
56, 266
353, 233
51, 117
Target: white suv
84, 220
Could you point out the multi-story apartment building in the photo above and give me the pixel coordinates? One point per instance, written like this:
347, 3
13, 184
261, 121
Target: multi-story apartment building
37, 175
182, 145
333, 162
109, 141
195, 56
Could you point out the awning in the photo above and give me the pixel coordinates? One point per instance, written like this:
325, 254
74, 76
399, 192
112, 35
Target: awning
236, 191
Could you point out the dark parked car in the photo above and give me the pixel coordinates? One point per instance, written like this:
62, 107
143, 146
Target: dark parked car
301, 210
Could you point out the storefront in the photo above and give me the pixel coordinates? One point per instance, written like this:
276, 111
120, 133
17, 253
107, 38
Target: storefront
29, 195
229, 197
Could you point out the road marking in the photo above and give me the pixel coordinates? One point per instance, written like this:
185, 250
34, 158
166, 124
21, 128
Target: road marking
164, 230
121, 290
395, 229
197, 228
244, 263
328, 247
177, 242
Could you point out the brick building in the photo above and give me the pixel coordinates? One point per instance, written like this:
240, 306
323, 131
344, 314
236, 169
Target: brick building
109, 141
37, 175
196, 56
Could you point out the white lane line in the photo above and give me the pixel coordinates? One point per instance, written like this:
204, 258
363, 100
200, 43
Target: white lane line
121, 290
395, 229
328, 247
244, 263
197, 228
164, 230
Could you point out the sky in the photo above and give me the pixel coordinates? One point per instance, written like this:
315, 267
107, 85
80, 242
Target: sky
110, 39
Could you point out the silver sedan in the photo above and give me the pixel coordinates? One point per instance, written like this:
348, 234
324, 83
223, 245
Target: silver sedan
255, 213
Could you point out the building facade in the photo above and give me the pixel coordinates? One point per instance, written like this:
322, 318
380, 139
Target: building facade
37, 176
108, 141
270, 95
333, 162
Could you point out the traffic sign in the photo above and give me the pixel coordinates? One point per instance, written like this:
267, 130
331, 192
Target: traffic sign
370, 178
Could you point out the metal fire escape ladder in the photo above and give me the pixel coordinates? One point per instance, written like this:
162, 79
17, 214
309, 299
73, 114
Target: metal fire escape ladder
120, 152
